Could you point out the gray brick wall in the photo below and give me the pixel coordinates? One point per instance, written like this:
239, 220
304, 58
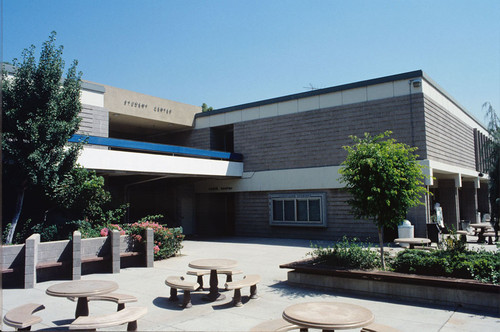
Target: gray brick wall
315, 138
95, 247
12, 255
199, 139
449, 140
252, 219
54, 251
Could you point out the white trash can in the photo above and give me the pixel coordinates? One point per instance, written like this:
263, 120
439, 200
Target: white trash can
405, 230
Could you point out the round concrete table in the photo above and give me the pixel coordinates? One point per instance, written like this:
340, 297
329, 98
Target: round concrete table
328, 316
213, 264
82, 289
481, 229
412, 241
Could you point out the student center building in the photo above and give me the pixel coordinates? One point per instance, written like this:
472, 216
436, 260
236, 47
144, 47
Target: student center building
270, 168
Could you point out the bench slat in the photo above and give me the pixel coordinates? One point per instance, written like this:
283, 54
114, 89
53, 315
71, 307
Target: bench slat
121, 317
22, 316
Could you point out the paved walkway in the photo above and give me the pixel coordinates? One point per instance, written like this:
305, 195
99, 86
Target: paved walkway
255, 255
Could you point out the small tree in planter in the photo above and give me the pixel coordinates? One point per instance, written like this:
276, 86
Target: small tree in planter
384, 180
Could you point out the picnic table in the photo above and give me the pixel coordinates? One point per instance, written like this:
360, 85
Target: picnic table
413, 241
213, 264
328, 316
82, 289
480, 229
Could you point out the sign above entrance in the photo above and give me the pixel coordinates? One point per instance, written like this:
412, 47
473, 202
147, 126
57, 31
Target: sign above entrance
134, 104
140, 105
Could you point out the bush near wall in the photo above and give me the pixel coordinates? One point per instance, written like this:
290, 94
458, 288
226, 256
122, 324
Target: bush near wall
453, 261
480, 265
167, 241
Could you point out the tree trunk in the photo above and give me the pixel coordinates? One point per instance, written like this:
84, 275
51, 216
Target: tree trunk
381, 243
15, 218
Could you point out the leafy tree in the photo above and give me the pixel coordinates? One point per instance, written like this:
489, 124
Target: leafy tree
40, 114
494, 164
82, 192
205, 108
384, 181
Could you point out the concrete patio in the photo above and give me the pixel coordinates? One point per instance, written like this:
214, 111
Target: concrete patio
255, 256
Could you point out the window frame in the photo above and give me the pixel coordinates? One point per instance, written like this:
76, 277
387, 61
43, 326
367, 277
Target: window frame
296, 197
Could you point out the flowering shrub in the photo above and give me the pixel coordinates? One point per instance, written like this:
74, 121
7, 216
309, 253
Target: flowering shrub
105, 230
167, 241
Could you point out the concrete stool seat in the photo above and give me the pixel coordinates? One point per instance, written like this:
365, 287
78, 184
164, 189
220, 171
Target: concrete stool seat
176, 282
247, 281
22, 317
128, 315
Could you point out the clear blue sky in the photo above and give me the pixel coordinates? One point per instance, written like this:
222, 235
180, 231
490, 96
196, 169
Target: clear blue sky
226, 53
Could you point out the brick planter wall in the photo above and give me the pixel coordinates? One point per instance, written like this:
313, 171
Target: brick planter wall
24, 265
413, 288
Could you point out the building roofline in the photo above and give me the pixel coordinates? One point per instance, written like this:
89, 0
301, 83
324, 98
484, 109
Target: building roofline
317, 92
360, 84
453, 100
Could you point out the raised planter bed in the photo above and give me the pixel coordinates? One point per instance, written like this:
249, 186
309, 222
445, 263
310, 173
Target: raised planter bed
409, 287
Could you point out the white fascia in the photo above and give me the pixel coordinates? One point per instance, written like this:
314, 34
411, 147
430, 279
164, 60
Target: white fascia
135, 162
276, 180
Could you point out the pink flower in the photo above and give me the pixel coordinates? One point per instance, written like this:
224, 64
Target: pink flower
122, 232
104, 232
156, 249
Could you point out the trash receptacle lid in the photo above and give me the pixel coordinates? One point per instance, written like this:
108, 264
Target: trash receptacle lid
405, 223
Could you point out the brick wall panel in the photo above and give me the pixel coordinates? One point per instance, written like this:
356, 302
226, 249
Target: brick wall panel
315, 138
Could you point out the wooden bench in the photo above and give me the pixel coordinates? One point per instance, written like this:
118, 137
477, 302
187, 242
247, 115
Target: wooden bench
119, 299
250, 280
176, 282
128, 316
22, 317
277, 325
374, 327
200, 273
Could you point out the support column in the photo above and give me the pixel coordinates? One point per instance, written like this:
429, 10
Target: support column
458, 184
77, 256
115, 251
149, 247
30, 260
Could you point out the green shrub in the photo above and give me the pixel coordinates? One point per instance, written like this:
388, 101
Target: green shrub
420, 262
348, 254
87, 229
467, 264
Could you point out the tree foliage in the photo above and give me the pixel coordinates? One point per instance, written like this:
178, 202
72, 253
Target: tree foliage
384, 180
40, 114
206, 108
82, 192
493, 149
